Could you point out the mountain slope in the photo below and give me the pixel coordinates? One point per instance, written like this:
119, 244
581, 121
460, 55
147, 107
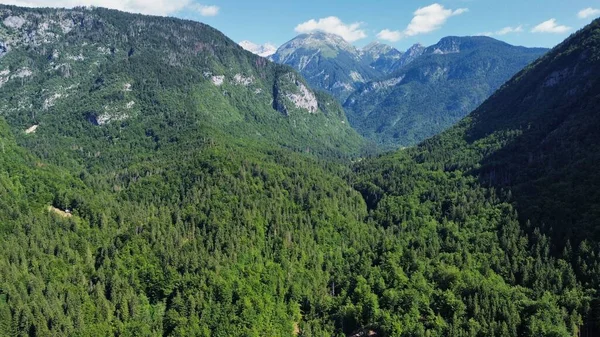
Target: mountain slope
533, 148
537, 135
408, 56
380, 57
188, 223
327, 62
434, 91
92, 73
192, 211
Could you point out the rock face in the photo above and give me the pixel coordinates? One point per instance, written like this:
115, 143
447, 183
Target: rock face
327, 62
292, 94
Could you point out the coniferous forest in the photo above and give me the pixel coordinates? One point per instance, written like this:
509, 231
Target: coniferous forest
158, 180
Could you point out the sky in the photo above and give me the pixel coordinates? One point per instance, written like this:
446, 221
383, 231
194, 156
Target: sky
400, 23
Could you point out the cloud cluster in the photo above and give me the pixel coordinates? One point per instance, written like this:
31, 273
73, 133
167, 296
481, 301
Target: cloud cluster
550, 26
425, 20
389, 35
153, 7
430, 18
505, 31
350, 32
588, 12
204, 10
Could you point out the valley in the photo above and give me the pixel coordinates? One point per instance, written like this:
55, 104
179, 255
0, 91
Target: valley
156, 179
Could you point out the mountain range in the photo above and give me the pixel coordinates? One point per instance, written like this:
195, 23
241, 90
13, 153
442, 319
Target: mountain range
388, 94
156, 179
433, 92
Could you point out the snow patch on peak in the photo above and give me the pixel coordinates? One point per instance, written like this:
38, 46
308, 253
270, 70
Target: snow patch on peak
264, 50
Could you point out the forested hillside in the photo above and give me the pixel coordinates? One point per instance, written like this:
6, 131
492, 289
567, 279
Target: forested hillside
538, 136
532, 150
105, 80
206, 209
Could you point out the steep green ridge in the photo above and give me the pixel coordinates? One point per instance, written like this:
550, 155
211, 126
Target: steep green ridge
87, 74
538, 136
327, 62
26, 184
436, 90
528, 155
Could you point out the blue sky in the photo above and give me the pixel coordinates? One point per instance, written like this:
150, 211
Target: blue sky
400, 23
263, 21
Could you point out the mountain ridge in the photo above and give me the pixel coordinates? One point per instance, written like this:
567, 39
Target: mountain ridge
121, 83
460, 72
327, 61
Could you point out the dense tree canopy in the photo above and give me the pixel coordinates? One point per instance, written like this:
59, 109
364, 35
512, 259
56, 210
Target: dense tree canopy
201, 217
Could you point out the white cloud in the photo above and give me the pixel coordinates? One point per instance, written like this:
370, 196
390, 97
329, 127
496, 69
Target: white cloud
550, 26
153, 7
504, 31
205, 10
350, 32
588, 12
425, 20
509, 30
390, 35
430, 18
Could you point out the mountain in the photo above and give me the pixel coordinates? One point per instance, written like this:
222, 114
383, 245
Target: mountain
380, 57
537, 136
410, 55
264, 50
327, 61
86, 74
435, 90
202, 214
516, 177
155, 181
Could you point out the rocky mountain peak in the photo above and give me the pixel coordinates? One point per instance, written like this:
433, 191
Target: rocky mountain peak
264, 50
376, 50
